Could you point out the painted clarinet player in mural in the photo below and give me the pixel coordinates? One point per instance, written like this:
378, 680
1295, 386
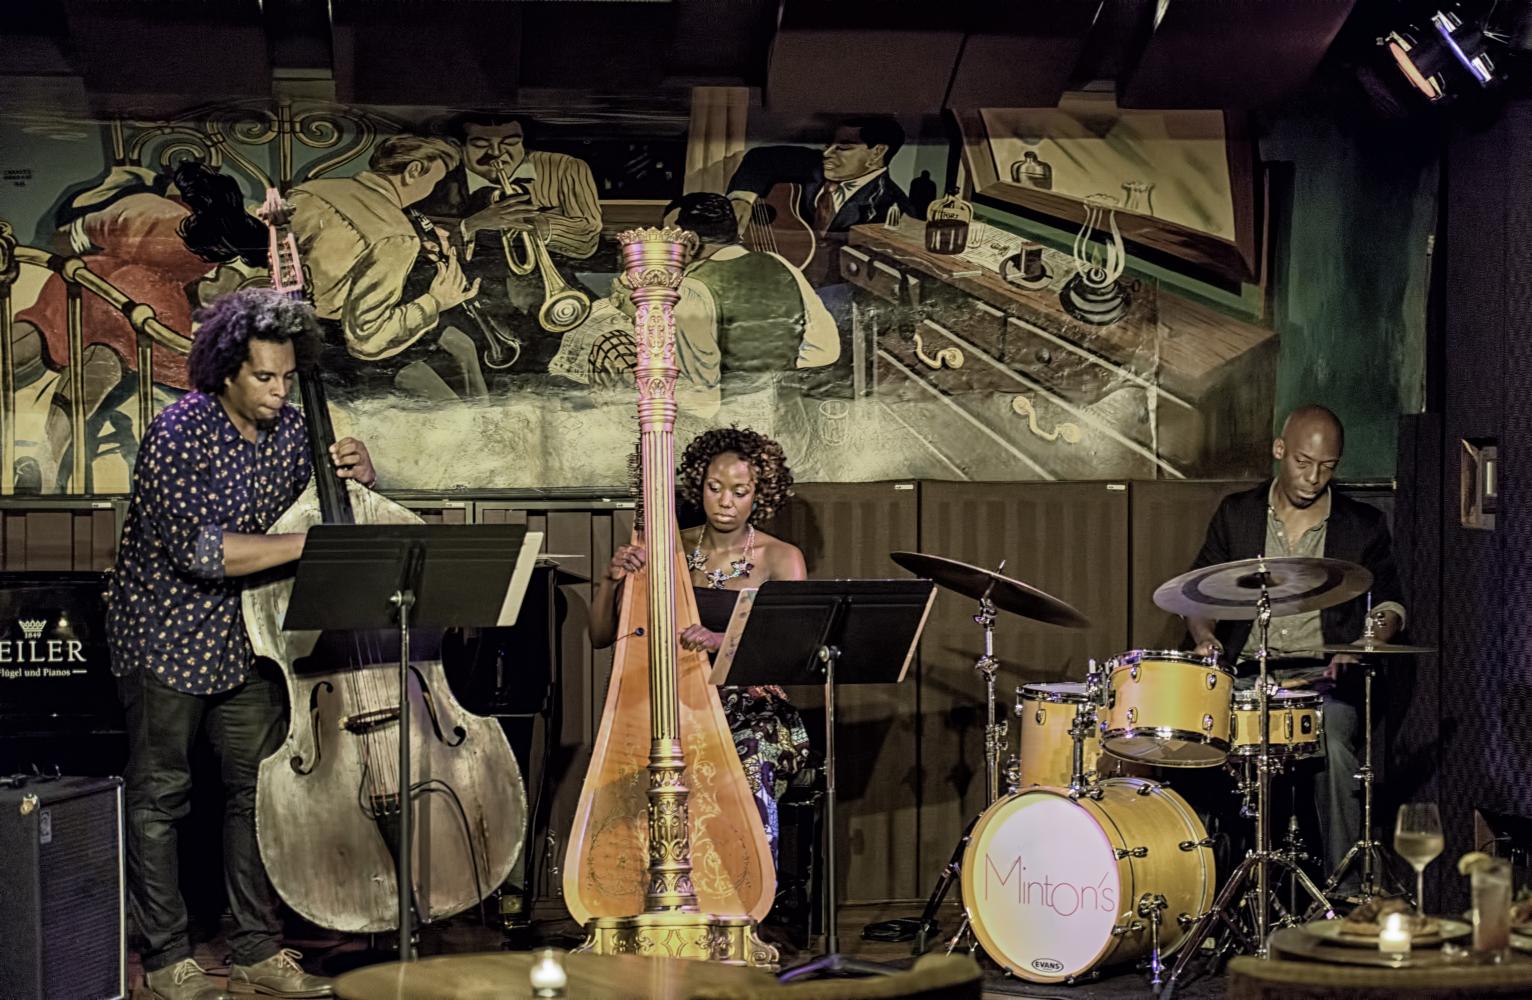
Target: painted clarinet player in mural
381, 280
464, 261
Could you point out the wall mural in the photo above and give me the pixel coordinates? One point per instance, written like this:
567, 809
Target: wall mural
462, 265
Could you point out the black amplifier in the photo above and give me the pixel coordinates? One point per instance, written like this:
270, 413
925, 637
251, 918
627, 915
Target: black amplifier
62, 892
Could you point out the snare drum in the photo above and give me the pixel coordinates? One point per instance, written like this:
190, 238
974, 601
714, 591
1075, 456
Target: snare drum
1168, 708
1052, 885
1295, 720
1044, 713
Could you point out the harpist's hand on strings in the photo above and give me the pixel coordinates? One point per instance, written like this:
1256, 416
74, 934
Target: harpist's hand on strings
627, 559
701, 640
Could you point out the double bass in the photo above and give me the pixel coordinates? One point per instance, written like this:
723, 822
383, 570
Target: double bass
328, 801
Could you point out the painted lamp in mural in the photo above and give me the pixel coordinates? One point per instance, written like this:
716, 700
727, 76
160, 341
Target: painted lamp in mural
1094, 295
947, 223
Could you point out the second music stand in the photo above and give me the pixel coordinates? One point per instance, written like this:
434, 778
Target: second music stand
825, 632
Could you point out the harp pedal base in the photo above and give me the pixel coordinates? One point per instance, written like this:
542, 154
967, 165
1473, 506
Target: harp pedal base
680, 934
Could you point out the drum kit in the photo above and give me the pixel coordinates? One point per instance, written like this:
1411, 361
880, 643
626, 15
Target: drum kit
1083, 861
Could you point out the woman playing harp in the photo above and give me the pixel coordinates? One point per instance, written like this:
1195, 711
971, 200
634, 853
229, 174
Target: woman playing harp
739, 479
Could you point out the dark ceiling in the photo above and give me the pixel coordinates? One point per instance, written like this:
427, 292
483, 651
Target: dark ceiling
864, 55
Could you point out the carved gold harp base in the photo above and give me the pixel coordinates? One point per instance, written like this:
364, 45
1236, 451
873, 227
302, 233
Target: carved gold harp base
680, 934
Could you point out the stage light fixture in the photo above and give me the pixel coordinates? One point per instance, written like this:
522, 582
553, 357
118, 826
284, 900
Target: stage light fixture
1432, 54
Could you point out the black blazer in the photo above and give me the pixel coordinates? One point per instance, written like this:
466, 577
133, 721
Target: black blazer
765, 166
1356, 533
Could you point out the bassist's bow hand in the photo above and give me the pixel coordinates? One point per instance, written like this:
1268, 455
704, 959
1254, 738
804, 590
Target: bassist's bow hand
353, 462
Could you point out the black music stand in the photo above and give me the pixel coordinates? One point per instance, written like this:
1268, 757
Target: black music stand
825, 632
385, 576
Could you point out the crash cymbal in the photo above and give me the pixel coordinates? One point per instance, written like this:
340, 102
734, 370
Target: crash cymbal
1374, 648
1007, 594
1232, 590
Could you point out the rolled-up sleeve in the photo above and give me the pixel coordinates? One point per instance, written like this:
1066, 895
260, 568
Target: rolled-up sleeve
177, 506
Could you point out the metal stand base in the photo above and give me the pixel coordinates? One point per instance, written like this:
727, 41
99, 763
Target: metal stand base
1367, 851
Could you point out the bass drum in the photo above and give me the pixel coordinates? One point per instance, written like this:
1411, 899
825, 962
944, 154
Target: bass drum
1052, 886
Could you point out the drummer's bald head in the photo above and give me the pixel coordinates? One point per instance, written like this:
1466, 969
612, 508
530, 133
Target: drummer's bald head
1307, 453
1307, 422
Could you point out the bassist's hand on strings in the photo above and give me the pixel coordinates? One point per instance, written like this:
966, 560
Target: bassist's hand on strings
353, 462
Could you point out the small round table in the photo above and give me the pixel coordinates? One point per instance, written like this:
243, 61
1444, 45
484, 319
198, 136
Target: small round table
503, 976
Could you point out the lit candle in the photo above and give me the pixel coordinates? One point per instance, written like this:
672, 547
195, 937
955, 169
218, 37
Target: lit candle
1395, 935
547, 974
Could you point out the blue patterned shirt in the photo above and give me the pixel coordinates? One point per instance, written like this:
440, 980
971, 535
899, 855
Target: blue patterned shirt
170, 608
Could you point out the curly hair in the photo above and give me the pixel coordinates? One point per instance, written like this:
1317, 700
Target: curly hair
232, 321
773, 479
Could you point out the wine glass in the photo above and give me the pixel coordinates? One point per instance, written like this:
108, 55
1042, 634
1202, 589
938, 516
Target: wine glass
1418, 840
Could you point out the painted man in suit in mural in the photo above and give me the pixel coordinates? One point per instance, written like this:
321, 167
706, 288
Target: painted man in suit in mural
382, 279
846, 184
843, 185
553, 199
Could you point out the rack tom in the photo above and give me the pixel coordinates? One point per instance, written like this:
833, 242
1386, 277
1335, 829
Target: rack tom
1294, 719
1044, 714
1168, 708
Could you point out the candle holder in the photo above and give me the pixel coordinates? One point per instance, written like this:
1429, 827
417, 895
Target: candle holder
547, 976
1095, 295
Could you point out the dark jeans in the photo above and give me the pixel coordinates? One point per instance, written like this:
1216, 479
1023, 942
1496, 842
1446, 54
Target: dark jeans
245, 726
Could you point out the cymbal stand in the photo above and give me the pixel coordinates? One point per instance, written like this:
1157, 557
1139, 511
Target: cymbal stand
1368, 848
1258, 862
994, 746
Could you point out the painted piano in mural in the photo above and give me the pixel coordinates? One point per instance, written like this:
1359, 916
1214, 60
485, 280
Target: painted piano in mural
989, 374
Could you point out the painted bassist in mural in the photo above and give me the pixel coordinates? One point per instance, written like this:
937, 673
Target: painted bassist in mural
215, 471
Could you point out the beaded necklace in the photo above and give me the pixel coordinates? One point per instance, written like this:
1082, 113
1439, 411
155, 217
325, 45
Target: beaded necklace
716, 578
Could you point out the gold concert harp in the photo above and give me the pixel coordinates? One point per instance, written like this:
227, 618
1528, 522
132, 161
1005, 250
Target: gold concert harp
667, 856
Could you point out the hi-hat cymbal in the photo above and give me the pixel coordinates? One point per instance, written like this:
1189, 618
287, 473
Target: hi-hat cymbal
1006, 594
1232, 590
1373, 648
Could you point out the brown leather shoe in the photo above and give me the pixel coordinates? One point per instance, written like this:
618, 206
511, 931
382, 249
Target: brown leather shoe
278, 976
186, 980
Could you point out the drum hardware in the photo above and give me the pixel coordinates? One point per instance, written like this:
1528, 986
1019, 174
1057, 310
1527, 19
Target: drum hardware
994, 592
1152, 906
1367, 848
1253, 589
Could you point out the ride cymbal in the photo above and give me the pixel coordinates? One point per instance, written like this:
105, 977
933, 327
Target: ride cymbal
1007, 594
1232, 590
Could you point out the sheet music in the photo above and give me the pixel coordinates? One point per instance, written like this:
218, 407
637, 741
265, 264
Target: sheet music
531, 545
730, 646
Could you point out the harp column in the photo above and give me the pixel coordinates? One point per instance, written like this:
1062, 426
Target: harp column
652, 264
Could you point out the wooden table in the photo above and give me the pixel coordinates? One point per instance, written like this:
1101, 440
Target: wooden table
503, 976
